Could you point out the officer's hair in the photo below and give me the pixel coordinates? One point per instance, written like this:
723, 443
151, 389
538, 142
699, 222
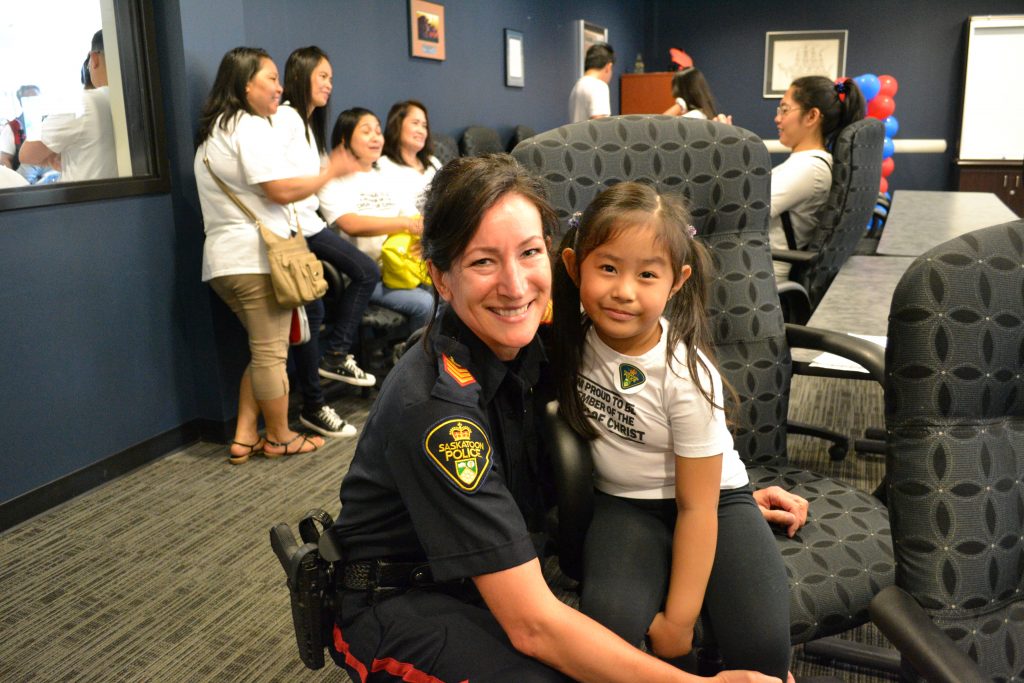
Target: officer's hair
459, 196
598, 55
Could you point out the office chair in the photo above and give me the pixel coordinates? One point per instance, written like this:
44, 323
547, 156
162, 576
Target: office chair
954, 412
842, 221
519, 134
840, 559
445, 147
479, 140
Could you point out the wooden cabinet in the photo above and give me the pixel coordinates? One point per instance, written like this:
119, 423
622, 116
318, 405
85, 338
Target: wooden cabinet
1006, 181
647, 93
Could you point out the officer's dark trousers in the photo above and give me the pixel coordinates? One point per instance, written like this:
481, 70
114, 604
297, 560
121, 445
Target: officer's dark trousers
428, 636
628, 556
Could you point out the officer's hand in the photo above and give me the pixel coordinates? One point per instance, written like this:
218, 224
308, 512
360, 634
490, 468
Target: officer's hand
668, 639
782, 508
744, 677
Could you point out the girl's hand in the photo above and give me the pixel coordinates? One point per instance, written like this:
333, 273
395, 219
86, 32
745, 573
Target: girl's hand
724, 118
669, 640
342, 162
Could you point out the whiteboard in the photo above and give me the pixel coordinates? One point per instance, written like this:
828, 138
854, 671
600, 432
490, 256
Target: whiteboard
992, 121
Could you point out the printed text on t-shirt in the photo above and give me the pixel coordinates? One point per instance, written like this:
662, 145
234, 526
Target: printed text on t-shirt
609, 410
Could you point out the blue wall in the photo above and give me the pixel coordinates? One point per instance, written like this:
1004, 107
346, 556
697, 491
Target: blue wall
919, 42
110, 338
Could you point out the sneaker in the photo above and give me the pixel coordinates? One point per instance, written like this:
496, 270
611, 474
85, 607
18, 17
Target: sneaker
344, 369
327, 422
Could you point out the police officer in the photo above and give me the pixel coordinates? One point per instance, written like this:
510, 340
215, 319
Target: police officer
441, 580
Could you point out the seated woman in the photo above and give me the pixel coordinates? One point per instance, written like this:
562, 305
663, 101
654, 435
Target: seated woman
408, 162
302, 122
812, 113
442, 580
237, 142
693, 98
363, 207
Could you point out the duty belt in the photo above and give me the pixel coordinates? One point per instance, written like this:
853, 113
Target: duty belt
375, 574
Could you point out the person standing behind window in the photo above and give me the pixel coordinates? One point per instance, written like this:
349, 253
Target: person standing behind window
590, 97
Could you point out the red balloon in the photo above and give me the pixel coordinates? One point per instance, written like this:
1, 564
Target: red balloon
883, 186
888, 165
889, 86
881, 107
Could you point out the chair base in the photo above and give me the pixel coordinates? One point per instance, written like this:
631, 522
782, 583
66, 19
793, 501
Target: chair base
858, 654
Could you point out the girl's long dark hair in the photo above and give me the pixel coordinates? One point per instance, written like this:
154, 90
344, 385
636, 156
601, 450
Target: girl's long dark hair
691, 85
227, 96
621, 208
393, 133
298, 74
836, 112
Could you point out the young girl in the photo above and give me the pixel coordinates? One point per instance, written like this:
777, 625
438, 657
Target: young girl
364, 208
675, 528
812, 113
693, 98
408, 162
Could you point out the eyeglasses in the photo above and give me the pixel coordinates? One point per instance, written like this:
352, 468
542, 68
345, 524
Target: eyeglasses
784, 109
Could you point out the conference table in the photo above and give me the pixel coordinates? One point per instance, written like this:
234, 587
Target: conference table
919, 220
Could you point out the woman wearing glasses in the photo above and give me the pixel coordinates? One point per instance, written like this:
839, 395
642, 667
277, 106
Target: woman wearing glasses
812, 113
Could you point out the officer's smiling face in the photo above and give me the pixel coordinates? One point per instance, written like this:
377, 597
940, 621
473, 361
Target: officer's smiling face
501, 284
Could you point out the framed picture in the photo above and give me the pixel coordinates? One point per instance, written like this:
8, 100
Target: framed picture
514, 72
788, 55
587, 34
426, 29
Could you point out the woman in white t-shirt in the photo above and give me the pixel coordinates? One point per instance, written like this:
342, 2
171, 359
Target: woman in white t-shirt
812, 113
363, 207
238, 142
693, 98
408, 162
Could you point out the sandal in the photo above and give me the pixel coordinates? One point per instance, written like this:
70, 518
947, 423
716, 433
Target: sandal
306, 439
240, 459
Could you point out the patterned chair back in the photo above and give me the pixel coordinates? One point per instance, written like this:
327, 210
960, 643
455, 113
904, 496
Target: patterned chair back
724, 172
445, 147
843, 220
480, 140
954, 410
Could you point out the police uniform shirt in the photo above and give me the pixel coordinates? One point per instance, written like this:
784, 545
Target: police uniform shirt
646, 415
446, 467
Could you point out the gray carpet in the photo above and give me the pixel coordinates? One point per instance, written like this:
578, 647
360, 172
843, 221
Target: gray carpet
166, 573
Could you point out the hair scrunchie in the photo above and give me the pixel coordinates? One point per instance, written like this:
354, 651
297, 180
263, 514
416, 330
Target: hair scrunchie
841, 90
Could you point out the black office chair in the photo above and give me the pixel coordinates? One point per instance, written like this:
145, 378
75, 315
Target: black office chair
479, 140
954, 411
842, 221
445, 147
519, 134
839, 560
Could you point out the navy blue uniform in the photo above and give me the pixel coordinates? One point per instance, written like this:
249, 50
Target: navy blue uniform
446, 471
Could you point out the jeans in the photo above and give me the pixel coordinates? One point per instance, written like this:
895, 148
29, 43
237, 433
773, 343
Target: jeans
306, 359
363, 274
415, 304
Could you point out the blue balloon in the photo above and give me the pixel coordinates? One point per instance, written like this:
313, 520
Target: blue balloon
869, 86
887, 147
892, 126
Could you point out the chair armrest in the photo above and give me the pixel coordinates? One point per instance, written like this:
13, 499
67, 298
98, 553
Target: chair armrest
793, 256
868, 355
795, 302
573, 469
932, 654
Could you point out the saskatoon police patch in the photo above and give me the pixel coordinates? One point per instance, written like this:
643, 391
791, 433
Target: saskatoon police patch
461, 450
631, 378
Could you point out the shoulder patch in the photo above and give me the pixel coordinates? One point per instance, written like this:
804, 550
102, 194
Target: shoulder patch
461, 375
461, 450
631, 378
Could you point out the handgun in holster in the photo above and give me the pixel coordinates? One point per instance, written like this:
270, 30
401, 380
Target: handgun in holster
310, 572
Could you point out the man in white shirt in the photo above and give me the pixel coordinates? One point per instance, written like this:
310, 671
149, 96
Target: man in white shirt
590, 97
81, 145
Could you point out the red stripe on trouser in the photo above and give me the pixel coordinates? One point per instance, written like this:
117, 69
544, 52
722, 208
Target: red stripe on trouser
402, 670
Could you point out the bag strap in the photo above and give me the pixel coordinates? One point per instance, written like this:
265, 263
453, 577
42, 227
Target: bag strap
787, 227
245, 209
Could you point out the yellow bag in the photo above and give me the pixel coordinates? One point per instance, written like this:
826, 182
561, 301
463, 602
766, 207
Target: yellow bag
400, 264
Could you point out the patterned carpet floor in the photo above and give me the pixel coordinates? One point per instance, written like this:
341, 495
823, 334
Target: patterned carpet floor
166, 574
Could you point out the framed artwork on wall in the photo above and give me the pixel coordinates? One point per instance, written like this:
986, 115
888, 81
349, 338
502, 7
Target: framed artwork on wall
788, 55
587, 34
426, 29
514, 70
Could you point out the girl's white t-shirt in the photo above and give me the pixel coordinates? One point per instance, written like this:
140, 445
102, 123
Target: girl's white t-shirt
647, 415
248, 153
800, 185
